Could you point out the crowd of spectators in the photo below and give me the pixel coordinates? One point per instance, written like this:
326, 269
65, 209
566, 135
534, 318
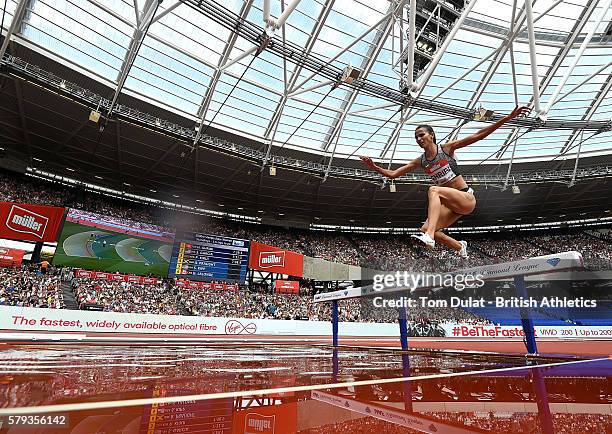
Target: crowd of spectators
23, 287
29, 287
386, 252
596, 250
250, 304
377, 251
113, 296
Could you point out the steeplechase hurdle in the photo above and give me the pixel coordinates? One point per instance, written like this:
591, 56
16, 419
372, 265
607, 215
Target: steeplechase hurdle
516, 270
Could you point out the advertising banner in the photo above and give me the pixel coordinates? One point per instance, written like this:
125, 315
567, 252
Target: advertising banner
287, 286
274, 260
30, 222
193, 284
267, 420
15, 318
11, 257
84, 273
500, 332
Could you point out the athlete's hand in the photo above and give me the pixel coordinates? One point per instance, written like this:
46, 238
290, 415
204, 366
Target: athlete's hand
368, 162
519, 111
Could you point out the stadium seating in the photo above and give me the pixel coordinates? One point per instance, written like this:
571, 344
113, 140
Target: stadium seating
379, 251
385, 252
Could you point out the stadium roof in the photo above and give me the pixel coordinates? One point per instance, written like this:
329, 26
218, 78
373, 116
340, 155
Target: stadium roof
174, 80
186, 64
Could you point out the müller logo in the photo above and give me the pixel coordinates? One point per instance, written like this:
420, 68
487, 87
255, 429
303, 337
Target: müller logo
272, 259
256, 423
27, 222
233, 327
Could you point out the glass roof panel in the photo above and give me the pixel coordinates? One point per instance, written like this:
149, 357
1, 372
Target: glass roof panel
175, 67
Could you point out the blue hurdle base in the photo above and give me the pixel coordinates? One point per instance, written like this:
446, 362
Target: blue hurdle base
530, 341
335, 323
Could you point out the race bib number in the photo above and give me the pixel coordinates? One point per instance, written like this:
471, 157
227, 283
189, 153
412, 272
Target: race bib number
440, 172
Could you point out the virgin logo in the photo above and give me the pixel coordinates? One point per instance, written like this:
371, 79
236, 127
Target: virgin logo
233, 327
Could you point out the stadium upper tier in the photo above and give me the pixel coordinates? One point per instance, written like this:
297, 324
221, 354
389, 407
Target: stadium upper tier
198, 59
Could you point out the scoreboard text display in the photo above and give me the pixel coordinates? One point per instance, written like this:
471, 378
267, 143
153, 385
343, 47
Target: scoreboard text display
209, 257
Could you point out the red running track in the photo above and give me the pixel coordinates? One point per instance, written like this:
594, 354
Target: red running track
588, 348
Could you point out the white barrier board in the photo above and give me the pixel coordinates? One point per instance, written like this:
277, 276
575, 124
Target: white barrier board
526, 267
13, 319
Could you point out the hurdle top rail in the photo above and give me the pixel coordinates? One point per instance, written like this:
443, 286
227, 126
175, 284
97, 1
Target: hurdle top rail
565, 261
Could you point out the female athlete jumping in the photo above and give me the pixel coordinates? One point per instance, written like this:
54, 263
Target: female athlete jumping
451, 197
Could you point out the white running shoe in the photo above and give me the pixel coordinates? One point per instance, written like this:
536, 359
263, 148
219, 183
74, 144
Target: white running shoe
463, 251
426, 239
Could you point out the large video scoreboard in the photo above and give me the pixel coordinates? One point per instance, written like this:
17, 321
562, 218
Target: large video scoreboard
209, 257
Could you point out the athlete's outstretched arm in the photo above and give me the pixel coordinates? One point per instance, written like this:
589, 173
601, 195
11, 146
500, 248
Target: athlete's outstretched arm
392, 173
450, 147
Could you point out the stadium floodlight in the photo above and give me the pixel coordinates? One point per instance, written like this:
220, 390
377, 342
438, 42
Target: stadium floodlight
350, 74
482, 114
94, 116
516, 189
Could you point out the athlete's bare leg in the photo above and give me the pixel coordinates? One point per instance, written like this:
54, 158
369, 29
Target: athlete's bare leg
459, 202
446, 219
